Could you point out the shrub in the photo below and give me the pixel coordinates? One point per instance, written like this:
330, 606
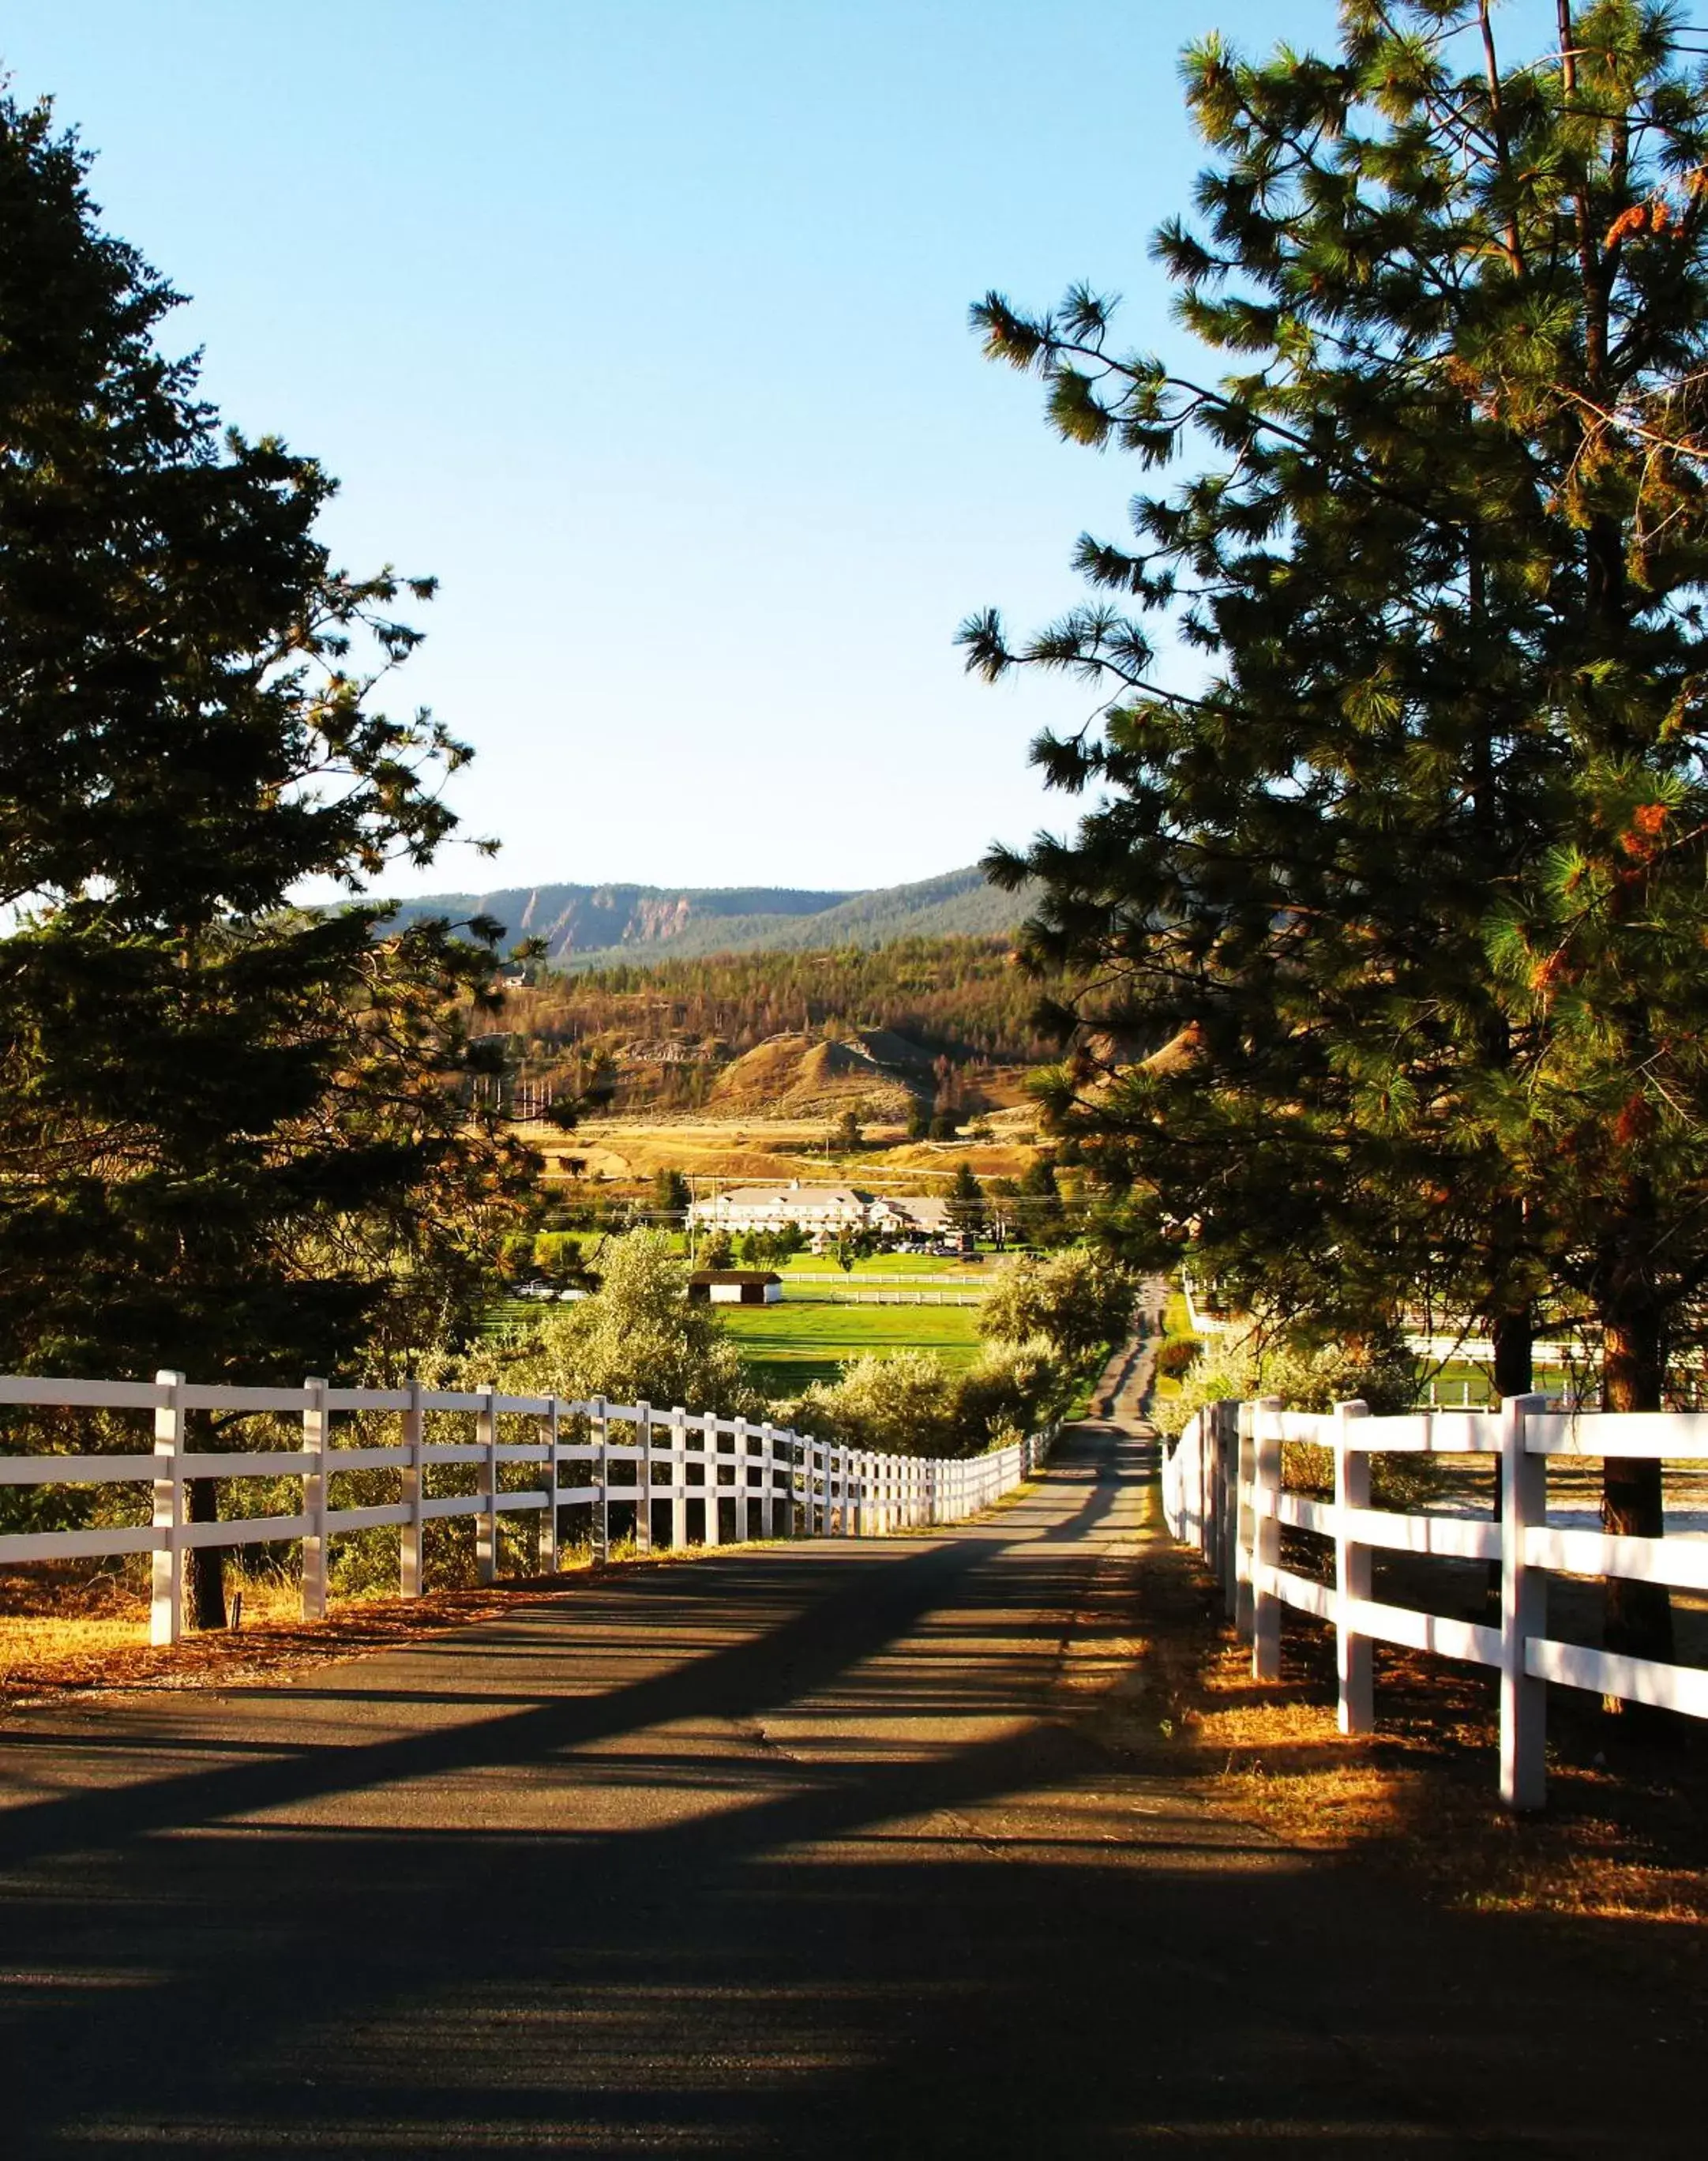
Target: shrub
902, 1404
1253, 1361
906, 1402
558, 1256
1178, 1356
1013, 1388
637, 1340
1075, 1299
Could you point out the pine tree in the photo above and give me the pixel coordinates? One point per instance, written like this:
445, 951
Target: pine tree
231, 1137
1043, 1219
1392, 911
671, 1198
965, 1204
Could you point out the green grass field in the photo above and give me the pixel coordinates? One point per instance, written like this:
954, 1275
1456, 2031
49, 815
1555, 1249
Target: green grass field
785, 1346
886, 1264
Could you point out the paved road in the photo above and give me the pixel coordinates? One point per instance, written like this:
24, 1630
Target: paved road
811, 1850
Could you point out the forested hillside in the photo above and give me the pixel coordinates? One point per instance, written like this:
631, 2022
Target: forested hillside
663, 1031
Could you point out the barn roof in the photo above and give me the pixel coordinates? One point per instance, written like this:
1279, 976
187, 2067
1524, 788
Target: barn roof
734, 1276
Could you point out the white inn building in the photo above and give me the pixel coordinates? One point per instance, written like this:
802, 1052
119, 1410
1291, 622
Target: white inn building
824, 1212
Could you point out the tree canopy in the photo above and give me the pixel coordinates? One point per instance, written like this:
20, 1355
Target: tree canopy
231, 1138
1395, 905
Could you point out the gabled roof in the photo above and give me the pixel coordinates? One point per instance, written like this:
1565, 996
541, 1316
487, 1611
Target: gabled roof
773, 1196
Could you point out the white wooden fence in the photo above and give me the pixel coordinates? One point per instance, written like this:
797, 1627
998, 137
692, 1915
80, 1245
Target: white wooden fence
853, 1294
1222, 1493
763, 1481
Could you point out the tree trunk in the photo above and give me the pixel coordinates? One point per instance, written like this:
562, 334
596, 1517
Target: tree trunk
206, 1565
1513, 1335
1637, 1617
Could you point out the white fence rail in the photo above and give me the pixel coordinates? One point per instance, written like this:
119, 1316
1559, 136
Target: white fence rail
1222, 1492
763, 1481
918, 1280
853, 1294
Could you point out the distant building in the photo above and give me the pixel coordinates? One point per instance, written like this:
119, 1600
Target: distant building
828, 1209
734, 1287
824, 1212
918, 1217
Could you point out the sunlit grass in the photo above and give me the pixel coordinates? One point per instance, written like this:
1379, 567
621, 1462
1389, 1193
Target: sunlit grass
785, 1346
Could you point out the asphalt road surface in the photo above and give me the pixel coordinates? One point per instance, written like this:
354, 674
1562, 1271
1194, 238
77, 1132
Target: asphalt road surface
811, 1850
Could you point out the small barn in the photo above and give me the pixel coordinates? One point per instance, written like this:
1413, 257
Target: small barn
734, 1287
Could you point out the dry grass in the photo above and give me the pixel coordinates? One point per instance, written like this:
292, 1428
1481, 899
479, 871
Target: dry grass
58, 1634
632, 1148
1624, 1836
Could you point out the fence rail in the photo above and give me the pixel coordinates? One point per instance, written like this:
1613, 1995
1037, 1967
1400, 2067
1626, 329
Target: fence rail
1222, 1492
765, 1481
845, 1294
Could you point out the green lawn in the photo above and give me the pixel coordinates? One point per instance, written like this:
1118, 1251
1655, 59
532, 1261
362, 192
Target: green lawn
886, 1264
785, 1346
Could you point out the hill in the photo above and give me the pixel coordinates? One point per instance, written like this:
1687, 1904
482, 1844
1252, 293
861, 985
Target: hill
586, 926
742, 1030
876, 1072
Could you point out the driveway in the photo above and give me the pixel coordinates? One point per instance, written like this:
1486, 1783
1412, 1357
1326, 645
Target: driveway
806, 1850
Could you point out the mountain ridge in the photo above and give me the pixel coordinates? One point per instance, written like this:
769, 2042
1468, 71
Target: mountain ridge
592, 926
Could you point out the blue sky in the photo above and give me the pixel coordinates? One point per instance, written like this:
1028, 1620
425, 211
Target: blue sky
643, 326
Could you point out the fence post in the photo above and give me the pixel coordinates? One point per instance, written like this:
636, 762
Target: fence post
708, 1434
554, 1463
315, 1479
768, 1510
486, 1522
849, 1459
1227, 1497
1266, 1548
166, 1571
643, 1481
599, 1426
678, 1478
1245, 1517
1523, 1611
1200, 1465
1354, 1660
741, 1482
1211, 1526
409, 1541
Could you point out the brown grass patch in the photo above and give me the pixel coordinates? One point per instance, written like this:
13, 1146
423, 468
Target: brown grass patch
1624, 1836
51, 1643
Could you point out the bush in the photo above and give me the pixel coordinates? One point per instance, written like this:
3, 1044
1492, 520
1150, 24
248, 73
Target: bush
1075, 1299
906, 1402
1013, 1388
1250, 1362
558, 1256
637, 1340
902, 1404
1178, 1356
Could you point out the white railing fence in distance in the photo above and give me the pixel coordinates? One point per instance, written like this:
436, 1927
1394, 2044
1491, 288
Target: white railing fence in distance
1222, 1492
741, 1479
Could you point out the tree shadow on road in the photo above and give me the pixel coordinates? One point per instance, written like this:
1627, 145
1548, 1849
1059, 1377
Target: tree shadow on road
911, 1906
